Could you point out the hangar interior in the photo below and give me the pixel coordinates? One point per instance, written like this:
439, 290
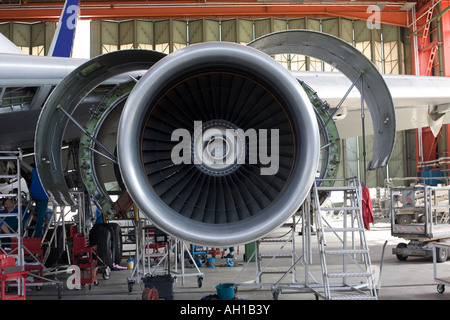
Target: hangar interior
388, 47
398, 37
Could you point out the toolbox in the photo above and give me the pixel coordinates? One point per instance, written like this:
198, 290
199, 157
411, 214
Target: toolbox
162, 283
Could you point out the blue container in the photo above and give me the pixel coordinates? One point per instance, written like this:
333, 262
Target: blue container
198, 262
428, 173
225, 291
210, 262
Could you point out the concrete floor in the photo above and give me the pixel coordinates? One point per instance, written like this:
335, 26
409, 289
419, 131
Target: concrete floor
400, 280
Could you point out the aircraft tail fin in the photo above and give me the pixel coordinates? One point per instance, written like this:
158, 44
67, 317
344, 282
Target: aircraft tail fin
62, 43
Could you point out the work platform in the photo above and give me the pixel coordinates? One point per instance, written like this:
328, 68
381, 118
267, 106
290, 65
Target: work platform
420, 214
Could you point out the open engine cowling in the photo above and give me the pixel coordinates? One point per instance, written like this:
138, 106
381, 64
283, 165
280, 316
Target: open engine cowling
218, 144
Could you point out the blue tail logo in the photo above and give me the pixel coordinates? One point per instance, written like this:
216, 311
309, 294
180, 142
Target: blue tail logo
62, 43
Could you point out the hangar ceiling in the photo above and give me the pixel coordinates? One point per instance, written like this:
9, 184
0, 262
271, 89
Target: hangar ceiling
394, 12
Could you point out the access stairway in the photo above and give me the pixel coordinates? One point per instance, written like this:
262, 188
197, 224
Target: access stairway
349, 260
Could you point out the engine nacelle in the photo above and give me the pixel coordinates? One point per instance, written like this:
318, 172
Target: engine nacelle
218, 144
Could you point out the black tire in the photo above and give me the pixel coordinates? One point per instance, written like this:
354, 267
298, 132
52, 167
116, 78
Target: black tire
400, 256
404, 219
101, 235
59, 289
56, 247
441, 255
116, 244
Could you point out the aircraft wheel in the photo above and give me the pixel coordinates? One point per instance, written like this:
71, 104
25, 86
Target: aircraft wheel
101, 235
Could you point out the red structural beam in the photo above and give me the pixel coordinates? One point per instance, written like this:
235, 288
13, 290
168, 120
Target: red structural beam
425, 59
425, 46
391, 13
445, 25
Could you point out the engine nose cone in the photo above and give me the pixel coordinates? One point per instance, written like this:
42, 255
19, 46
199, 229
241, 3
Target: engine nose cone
218, 147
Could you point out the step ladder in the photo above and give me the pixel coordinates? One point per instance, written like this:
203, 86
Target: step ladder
345, 263
267, 264
11, 244
285, 249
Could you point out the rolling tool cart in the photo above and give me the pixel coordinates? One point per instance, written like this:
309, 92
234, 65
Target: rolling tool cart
163, 284
441, 281
34, 264
33, 256
9, 274
147, 248
143, 271
181, 256
160, 242
85, 257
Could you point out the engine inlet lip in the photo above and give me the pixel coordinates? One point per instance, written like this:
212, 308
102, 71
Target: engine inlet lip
182, 64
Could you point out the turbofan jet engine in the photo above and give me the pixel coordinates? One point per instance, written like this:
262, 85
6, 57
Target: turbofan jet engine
218, 144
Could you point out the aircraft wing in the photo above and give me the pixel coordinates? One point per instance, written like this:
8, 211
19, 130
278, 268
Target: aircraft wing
25, 83
419, 101
7, 46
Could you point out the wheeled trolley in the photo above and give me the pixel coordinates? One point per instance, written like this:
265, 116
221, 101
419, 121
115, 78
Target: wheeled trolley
34, 263
142, 268
14, 276
440, 280
33, 255
420, 214
85, 257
